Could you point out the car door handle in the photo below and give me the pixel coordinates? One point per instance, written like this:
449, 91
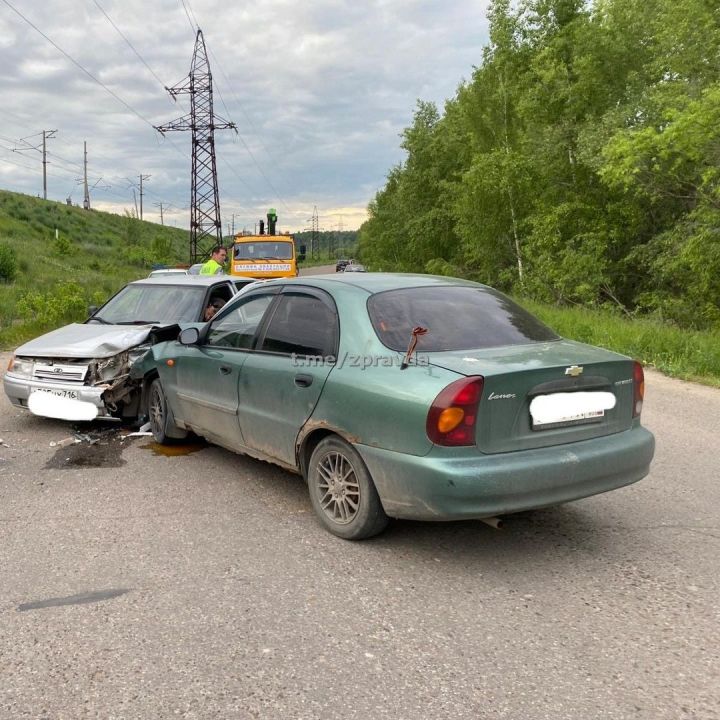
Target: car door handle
225, 369
303, 380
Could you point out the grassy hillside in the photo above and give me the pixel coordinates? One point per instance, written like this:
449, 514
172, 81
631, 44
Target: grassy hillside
67, 257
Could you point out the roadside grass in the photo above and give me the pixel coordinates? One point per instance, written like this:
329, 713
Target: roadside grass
685, 354
57, 245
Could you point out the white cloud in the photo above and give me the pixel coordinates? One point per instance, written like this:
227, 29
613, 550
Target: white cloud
320, 92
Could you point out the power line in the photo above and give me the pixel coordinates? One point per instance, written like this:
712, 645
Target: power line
187, 2
186, 5
13, 162
130, 45
246, 146
77, 64
31, 157
205, 224
192, 27
88, 73
191, 17
244, 112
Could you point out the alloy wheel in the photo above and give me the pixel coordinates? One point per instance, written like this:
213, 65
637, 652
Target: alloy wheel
339, 488
156, 410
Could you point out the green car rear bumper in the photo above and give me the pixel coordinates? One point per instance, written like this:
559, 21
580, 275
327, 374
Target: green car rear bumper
461, 485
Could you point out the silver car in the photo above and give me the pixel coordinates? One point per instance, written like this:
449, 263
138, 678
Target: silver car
82, 371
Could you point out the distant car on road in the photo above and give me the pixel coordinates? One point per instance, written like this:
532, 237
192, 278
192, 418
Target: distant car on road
406, 396
164, 272
354, 267
340, 265
81, 371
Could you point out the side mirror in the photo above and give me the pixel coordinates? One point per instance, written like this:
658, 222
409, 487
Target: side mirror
92, 309
189, 336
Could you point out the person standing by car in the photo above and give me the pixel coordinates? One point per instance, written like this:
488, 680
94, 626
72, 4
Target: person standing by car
214, 266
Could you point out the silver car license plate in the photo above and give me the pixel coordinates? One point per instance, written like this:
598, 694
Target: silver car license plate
72, 394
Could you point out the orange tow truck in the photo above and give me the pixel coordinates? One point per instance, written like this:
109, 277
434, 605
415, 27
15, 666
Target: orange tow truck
265, 256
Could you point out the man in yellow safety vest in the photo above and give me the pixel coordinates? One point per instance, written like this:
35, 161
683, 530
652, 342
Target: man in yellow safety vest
214, 266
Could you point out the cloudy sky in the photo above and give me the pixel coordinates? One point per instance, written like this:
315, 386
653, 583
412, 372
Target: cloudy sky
319, 91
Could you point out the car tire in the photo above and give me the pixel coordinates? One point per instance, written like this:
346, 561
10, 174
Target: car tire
342, 492
162, 423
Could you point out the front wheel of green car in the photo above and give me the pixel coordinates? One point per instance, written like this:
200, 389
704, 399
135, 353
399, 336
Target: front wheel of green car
162, 424
342, 492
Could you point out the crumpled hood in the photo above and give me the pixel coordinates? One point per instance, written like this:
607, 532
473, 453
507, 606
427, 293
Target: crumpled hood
86, 341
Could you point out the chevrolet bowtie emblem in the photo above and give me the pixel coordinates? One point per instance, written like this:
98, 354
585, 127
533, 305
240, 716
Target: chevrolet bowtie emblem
574, 370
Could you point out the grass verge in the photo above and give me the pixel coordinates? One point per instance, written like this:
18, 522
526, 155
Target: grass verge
685, 354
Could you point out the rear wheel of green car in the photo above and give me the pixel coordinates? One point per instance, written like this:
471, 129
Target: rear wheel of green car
162, 424
342, 492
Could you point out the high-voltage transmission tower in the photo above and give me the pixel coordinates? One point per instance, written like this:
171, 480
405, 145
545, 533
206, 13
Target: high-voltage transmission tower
205, 226
315, 237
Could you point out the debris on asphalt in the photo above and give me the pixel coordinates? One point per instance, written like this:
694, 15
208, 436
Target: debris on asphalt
138, 434
145, 428
64, 442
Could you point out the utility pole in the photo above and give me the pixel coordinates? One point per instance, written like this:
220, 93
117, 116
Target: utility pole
86, 198
47, 135
142, 177
205, 226
340, 243
160, 205
232, 234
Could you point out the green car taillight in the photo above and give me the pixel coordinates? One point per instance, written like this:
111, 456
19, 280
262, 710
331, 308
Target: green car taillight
452, 417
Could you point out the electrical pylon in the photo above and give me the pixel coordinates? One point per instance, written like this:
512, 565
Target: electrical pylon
205, 227
315, 237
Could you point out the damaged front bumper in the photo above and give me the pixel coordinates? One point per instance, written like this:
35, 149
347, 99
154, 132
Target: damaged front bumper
103, 389
19, 389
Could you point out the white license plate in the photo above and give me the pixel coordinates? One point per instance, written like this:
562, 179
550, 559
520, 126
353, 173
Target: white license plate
559, 409
72, 394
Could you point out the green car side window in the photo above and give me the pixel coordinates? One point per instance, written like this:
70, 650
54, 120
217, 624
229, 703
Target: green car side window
301, 325
237, 328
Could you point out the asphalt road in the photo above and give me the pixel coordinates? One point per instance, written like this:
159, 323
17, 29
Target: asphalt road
317, 270
136, 585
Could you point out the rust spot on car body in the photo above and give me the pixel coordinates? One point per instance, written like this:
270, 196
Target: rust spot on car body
308, 429
312, 425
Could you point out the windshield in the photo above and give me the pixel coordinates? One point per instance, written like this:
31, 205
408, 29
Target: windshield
457, 318
161, 304
264, 250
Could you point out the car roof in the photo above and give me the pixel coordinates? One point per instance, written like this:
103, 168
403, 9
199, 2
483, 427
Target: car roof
375, 282
182, 280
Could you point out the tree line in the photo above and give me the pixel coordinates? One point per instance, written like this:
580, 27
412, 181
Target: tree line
579, 164
328, 243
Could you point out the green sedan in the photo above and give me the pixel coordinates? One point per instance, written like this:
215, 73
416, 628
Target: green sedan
405, 396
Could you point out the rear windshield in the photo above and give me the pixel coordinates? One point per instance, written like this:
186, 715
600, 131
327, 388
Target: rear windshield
456, 317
